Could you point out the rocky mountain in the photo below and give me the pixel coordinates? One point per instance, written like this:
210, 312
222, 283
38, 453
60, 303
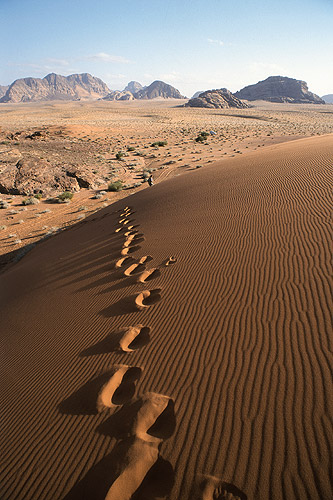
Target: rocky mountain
328, 98
159, 89
119, 95
3, 90
218, 98
133, 87
279, 89
197, 94
53, 86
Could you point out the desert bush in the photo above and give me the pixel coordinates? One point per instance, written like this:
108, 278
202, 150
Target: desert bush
3, 204
202, 137
131, 148
65, 197
97, 196
31, 200
159, 144
115, 186
119, 155
3, 227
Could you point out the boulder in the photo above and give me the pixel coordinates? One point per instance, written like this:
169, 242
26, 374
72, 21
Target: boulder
218, 98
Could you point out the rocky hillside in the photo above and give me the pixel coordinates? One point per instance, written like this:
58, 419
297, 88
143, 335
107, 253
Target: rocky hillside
119, 95
159, 89
328, 98
133, 87
53, 86
279, 89
3, 90
219, 98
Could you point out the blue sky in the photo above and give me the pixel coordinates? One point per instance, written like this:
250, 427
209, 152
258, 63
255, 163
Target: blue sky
193, 45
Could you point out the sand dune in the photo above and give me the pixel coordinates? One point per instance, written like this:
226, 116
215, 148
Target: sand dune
234, 398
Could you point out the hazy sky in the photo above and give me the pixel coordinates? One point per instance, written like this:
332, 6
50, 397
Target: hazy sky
191, 44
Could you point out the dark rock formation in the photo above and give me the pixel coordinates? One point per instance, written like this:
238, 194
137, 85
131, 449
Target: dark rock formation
72, 87
117, 95
219, 98
159, 89
3, 90
133, 87
328, 98
279, 89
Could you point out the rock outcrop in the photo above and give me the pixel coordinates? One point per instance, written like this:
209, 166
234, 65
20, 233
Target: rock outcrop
279, 89
118, 95
159, 89
133, 87
73, 87
197, 94
218, 98
328, 98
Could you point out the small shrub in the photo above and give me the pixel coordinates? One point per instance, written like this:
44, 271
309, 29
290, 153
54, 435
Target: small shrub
119, 155
38, 196
115, 186
65, 197
159, 144
3, 204
202, 137
2, 228
131, 148
97, 196
31, 200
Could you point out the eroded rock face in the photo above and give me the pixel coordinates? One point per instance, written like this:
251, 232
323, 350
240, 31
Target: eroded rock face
280, 89
53, 86
328, 98
117, 95
159, 89
32, 175
3, 90
219, 98
133, 87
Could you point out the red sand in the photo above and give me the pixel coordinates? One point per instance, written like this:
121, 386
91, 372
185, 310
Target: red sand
239, 340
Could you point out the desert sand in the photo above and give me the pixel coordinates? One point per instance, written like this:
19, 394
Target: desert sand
89, 134
177, 343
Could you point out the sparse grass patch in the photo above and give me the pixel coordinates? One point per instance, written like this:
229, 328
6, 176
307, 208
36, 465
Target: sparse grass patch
65, 197
115, 186
31, 200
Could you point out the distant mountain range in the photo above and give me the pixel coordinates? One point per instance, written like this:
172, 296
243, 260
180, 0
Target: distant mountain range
51, 87
134, 90
328, 98
85, 86
280, 89
79, 87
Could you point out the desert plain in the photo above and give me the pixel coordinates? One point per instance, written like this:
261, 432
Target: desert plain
172, 341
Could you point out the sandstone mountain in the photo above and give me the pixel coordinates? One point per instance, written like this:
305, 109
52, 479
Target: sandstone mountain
218, 98
133, 87
119, 95
159, 89
328, 98
3, 90
53, 86
196, 94
279, 89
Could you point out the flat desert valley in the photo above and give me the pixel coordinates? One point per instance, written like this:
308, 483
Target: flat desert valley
172, 341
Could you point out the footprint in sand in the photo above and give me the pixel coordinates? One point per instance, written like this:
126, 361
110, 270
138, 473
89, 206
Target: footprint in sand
119, 388
149, 274
134, 269
127, 250
171, 260
134, 338
155, 419
124, 261
213, 488
148, 298
154, 422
